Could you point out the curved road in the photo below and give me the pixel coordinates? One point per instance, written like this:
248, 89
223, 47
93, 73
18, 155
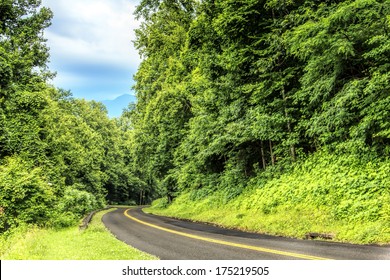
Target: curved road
173, 239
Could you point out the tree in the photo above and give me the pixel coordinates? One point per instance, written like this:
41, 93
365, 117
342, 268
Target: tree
343, 47
229, 88
24, 55
163, 109
23, 58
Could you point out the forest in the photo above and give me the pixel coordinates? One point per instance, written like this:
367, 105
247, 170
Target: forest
60, 157
272, 107
271, 116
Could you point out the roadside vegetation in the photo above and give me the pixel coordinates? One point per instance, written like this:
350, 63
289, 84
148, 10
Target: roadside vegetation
333, 195
94, 243
60, 157
271, 116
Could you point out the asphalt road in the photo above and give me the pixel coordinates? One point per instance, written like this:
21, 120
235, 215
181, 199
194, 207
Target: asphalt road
172, 239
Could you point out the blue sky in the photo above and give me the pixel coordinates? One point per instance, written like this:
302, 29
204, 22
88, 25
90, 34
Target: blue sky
90, 47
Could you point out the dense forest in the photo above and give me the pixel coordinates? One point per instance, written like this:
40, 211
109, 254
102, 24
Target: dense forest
60, 157
238, 101
227, 89
231, 96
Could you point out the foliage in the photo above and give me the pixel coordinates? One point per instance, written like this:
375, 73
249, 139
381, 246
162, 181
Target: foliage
233, 91
162, 107
25, 197
60, 157
333, 194
233, 97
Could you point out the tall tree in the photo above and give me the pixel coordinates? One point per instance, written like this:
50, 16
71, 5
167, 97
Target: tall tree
25, 193
162, 108
343, 46
23, 58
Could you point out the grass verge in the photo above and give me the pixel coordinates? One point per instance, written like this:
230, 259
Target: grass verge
326, 194
94, 243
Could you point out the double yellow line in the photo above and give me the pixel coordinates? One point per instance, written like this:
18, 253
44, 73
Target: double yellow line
227, 243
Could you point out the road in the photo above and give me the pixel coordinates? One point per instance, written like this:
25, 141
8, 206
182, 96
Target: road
172, 239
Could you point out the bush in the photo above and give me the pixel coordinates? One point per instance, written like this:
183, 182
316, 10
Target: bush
25, 197
160, 203
72, 206
78, 202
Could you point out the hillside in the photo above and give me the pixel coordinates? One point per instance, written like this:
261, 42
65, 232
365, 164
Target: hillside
268, 116
341, 198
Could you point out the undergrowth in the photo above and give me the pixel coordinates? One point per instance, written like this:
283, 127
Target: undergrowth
334, 194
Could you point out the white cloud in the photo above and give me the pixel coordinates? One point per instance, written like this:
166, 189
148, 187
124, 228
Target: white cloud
91, 32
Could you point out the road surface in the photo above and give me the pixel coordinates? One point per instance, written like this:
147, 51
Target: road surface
172, 239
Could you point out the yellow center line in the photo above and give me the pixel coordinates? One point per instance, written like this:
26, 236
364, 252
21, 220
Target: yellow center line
227, 243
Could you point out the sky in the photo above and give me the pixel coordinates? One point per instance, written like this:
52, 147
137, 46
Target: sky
91, 47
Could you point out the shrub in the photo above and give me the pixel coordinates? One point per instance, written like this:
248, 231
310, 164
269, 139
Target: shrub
25, 197
78, 202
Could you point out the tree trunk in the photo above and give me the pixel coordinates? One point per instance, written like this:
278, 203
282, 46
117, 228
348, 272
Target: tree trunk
263, 155
292, 147
272, 153
141, 197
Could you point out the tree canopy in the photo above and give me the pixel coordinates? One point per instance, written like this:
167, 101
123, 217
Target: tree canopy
60, 157
227, 89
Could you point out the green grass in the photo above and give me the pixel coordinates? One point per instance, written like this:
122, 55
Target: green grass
94, 243
324, 194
